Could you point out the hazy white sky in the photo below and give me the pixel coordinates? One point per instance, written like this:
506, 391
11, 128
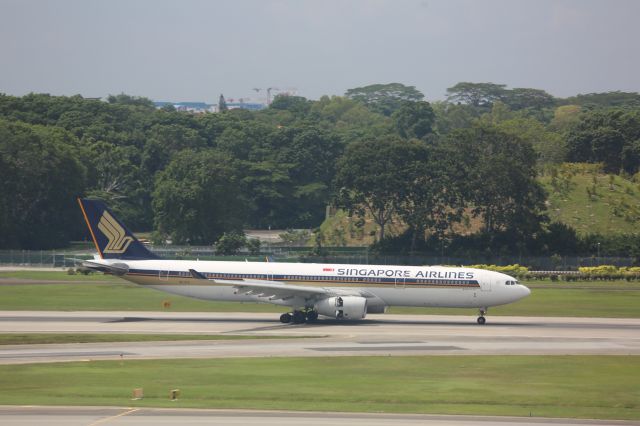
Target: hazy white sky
193, 50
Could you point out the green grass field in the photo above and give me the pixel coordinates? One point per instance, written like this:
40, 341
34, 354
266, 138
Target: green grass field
558, 303
614, 207
55, 338
618, 299
117, 296
601, 387
59, 276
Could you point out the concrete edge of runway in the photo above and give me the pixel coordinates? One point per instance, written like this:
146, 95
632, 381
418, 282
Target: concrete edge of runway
274, 316
112, 411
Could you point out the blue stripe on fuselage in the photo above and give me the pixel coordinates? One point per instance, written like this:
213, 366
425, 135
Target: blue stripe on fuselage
308, 278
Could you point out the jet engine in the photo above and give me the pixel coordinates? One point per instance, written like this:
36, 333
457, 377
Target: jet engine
343, 307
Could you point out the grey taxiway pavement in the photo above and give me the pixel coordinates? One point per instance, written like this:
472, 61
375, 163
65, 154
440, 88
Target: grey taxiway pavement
114, 416
376, 335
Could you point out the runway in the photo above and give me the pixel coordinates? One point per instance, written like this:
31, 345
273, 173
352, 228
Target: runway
115, 416
386, 335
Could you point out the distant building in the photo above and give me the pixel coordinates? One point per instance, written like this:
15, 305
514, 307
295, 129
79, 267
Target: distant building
202, 107
251, 106
194, 107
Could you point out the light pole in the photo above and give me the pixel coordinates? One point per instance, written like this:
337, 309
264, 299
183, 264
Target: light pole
598, 245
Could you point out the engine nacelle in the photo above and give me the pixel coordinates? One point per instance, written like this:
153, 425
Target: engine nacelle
343, 307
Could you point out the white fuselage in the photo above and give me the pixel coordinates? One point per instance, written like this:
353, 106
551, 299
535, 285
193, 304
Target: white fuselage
383, 285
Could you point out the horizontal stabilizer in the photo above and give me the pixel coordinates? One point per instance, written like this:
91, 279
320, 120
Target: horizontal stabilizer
113, 268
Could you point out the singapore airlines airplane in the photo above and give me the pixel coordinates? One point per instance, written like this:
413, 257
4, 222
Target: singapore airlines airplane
344, 292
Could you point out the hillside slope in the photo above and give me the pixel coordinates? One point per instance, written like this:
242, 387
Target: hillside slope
579, 195
592, 202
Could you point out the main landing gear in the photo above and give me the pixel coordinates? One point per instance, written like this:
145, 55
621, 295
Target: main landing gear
299, 317
481, 318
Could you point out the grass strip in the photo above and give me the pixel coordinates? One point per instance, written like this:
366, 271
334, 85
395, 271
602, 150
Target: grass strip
600, 387
117, 296
555, 302
55, 338
122, 296
58, 276
616, 299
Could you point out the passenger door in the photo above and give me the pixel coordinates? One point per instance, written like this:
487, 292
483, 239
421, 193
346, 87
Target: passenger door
485, 285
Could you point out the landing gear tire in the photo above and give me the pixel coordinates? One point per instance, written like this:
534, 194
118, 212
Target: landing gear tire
285, 318
481, 318
299, 317
312, 316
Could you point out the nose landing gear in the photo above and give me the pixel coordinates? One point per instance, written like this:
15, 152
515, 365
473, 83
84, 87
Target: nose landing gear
481, 319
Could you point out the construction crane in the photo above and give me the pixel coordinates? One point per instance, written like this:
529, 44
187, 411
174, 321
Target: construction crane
269, 94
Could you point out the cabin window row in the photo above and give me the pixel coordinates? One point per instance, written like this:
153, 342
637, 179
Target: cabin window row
325, 278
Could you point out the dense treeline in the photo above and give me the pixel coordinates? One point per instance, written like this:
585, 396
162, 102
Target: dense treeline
381, 152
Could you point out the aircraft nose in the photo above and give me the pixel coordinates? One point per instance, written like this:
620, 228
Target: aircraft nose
525, 291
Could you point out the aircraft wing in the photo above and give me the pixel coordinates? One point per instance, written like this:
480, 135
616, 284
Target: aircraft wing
272, 290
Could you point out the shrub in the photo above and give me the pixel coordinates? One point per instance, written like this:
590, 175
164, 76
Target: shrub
230, 243
514, 270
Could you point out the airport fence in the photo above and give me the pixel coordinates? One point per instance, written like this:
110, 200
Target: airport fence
69, 258
539, 263
41, 258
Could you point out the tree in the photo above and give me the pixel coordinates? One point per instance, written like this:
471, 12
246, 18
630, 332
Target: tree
414, 119
384, 98
609, 137
123, 99
626, 100
268, 183
312, 154
254, 244
230, 243
433, 199
40, 176
164, 141
524, 98
371, 178
449, 117
298, 105
117, 179
550, 147
501, 178
479, 95
565, 118
350, 119
197, 198
222, 104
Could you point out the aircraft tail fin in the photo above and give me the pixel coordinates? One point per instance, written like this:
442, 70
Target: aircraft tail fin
111, 237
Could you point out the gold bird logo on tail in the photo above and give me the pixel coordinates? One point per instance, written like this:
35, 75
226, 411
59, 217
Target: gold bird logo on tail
118, 239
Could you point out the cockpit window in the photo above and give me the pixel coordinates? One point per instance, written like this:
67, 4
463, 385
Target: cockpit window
511, 283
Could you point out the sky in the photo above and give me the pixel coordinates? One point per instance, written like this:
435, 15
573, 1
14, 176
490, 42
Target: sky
195, 50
